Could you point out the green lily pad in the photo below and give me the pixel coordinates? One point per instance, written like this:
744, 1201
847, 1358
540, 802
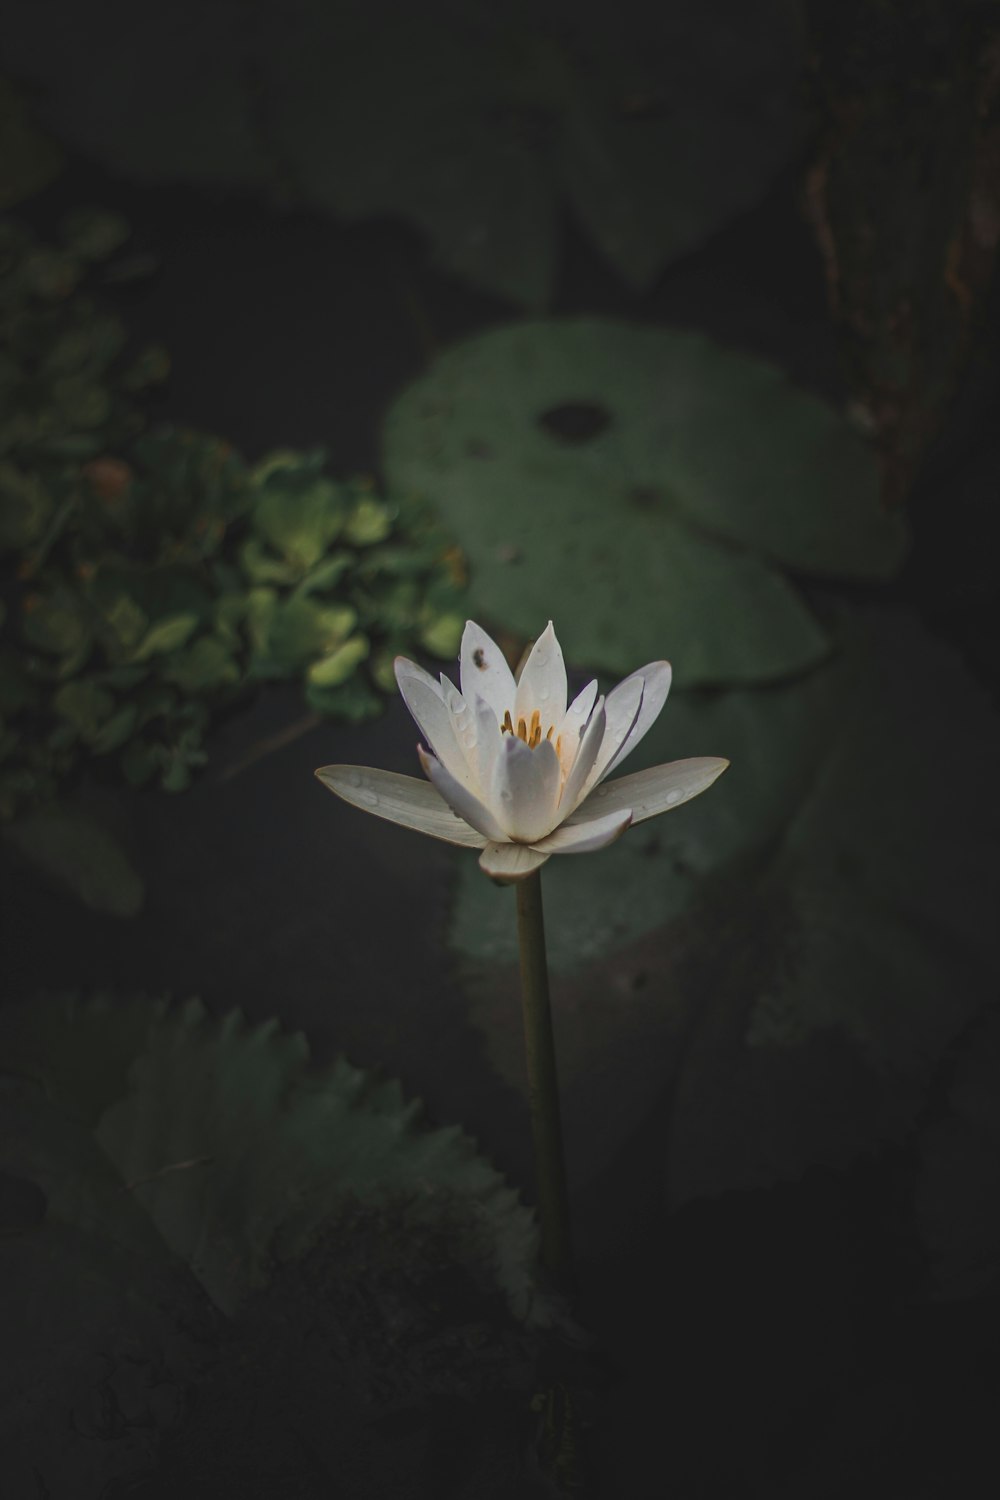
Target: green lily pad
817, 926
77, 852
861, 946
674, 476
476, 123
475, 127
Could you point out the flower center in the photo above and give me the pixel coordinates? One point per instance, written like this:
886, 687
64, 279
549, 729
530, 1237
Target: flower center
529, 732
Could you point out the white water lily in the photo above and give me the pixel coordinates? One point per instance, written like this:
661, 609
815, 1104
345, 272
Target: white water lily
516, 771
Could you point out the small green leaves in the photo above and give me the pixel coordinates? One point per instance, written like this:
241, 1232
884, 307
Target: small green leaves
154, 577
299, 510
25, 508
165, 636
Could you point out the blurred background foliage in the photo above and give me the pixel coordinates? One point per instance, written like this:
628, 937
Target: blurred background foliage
531, 310
151, 573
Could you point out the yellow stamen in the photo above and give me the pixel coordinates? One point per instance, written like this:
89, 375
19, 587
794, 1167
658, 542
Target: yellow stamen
530, 731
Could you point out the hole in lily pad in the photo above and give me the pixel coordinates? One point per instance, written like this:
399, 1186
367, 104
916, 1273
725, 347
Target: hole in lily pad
575, 421
645, 496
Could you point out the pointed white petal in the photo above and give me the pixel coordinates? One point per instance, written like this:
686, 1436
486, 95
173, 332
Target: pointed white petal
651, 792
526, 789
439, 722
460, 799
489, 742
655, 680
464, 719
567, 733
542, 684
584, 838
400, 799
507, 863
622, 708
588, 749
484, 673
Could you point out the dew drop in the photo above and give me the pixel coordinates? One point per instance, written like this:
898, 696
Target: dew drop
673, 796
355, 778
544, 695
370, 799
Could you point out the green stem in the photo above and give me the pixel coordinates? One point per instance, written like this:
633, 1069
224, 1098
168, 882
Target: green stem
543, 1083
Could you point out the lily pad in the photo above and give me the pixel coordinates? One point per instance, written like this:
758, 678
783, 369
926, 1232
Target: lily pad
673, 476
476, 123
811, 937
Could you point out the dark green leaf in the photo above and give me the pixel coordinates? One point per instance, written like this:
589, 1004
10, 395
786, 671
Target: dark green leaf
75, 851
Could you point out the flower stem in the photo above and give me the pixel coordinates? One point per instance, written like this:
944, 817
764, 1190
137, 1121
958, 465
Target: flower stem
543, 1083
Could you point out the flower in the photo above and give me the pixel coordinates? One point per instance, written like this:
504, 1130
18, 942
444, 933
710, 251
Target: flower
515, 772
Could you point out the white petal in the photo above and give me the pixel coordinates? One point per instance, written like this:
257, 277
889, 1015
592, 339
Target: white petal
489, 741
400, 799
651, 792
526, 789
622, 708
461, 801
584, 838
464, 719
509, 862
484, 673
567, 735
655, 686
542, 684
588, 749
439, 722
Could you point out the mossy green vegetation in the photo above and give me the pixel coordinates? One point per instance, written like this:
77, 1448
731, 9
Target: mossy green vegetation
150, 576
